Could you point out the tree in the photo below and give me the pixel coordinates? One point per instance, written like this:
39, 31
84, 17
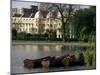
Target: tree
14, 32
84, 22
66, 11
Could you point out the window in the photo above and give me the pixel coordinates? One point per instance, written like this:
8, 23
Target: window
30, 29
19, 30
59, 36
50, 25
36, 30
26, 29
51, 19
23, 29
47, 20
20, 25
32, 25
59, 24
36, 24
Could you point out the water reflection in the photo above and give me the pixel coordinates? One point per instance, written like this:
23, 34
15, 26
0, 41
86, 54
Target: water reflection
21, 52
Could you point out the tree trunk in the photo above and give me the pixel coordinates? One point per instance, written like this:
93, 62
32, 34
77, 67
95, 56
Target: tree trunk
63, 24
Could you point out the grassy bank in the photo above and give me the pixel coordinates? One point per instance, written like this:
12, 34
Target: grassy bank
90, 56
53, 43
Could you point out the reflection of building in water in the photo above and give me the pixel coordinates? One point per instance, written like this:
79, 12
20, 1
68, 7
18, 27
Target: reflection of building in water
49, 48
27, 47
35, 47
58, 48
36, 21
46, 48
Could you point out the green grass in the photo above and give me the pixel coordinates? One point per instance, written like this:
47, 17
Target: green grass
90, 56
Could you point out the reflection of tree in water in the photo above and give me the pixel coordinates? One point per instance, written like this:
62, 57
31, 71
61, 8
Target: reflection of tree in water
63, 47
68, 49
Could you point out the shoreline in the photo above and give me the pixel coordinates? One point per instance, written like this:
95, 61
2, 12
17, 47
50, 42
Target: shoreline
51, 43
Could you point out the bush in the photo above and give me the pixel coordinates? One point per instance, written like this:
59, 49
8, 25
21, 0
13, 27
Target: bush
71, 40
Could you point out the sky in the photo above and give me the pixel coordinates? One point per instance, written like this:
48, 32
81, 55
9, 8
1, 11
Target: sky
27, 4
22, 4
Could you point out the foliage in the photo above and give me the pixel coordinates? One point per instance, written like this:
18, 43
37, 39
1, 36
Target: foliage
66, 12
84, 23
14, 33
81, 23
90, 56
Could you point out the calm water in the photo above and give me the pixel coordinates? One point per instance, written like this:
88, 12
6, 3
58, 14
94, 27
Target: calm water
21, 52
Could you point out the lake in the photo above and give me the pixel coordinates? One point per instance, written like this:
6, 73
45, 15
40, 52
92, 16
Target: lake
36, 51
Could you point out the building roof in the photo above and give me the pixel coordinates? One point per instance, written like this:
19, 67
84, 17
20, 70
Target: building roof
40, 14
31, 13
16, 15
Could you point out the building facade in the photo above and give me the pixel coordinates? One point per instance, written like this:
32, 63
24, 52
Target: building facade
39, 22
